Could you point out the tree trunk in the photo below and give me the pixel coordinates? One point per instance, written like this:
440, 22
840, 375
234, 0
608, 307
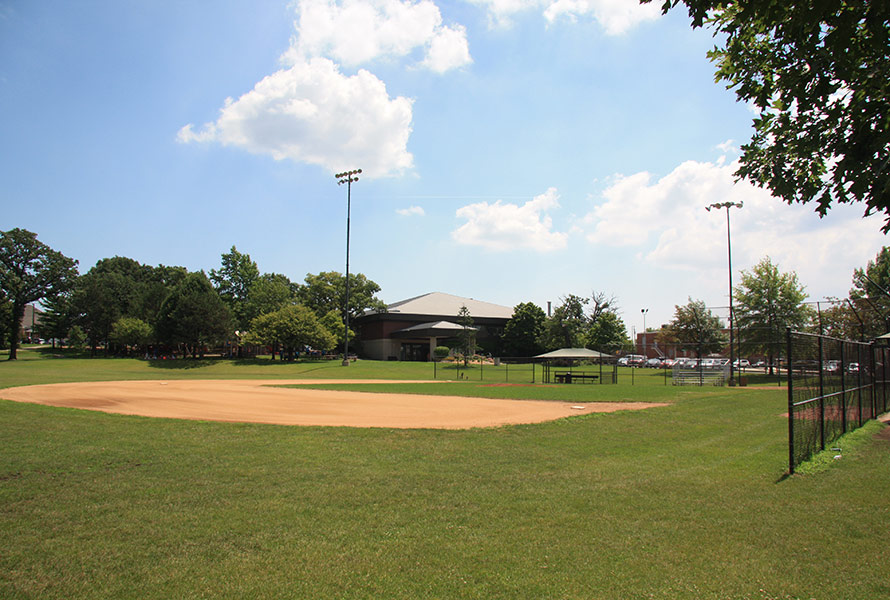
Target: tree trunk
18, 315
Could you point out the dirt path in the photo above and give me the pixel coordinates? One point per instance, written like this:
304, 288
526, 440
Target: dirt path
256, 401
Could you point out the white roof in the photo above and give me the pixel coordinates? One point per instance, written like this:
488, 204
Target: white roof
441, 325
573, 353
446, 305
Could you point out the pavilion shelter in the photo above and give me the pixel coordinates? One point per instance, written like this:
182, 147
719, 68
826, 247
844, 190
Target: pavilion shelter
578, 365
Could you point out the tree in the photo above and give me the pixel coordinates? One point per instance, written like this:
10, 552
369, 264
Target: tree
525, 330
130, 331
817, 74
270, 292
607, 333
766, 303
194, 315
30, 271
335, 325
870, 295
327, 291
57, 318
102, 296
76, 337
467, 335
233, 282
605, 328
6, 324
568, 325
293, 327
695, 328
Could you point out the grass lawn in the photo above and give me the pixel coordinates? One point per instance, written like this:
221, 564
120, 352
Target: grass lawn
685, 501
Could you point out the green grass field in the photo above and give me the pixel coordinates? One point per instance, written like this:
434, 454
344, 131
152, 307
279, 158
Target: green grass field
684, 501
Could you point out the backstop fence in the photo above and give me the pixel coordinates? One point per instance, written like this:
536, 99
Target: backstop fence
527, 370
834, 386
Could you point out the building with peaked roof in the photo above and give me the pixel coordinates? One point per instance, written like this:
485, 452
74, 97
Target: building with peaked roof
411, 329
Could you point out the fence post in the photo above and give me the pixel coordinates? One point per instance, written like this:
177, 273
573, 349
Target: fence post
821, 395
873, 371
843, 389
859, 385
883, 380
790, 406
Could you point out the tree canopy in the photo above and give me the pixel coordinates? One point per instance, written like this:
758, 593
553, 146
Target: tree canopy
524, 331
768, 301
293, 327
30, 271
817, 74
568, 324
194, 315
694, 328
326, 291
233, 281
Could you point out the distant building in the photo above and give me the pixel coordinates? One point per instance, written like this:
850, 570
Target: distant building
411, 329
32, 318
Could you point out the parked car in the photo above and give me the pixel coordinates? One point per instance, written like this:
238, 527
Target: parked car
668, 363
654, 363
741, 363
636, 360
622, 362
853, 368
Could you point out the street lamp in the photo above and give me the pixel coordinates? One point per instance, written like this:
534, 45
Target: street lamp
727, 206
347, 177
644, 311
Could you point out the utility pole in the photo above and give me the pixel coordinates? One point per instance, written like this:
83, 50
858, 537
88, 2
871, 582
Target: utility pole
727, 206
347, 177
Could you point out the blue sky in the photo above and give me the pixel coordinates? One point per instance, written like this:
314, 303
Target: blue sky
512, 150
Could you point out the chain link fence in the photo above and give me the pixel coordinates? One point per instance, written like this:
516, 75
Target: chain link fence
834, 386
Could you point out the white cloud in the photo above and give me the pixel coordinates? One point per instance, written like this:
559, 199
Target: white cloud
411, 211
726, 147
313, 113
356, 32
448, 50
614, 16
505, 227
665, 221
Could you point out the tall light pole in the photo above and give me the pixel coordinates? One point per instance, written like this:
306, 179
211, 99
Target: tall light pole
644, 311
347, 177
727, 206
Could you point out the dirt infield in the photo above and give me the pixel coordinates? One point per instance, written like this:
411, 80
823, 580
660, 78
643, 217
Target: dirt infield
258, 401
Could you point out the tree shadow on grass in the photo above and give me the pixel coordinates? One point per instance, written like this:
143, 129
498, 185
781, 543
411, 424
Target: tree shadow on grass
180, 364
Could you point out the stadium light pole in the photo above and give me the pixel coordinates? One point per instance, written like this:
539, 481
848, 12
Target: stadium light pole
347, 177
727, 206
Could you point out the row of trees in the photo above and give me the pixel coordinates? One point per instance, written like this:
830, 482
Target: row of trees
767, 301
122, 303
577, 322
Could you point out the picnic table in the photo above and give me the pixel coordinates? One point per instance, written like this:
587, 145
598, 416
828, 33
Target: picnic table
575, 376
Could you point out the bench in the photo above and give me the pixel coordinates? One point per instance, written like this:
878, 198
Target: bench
570, 377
